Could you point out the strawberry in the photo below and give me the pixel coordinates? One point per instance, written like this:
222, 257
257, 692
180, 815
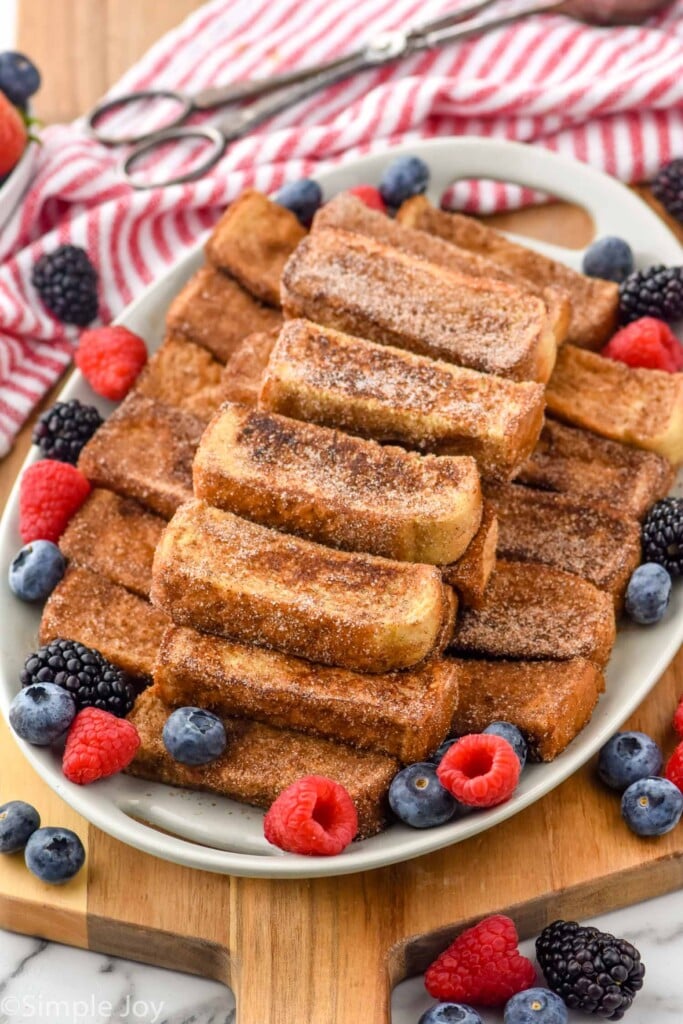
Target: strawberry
13, 136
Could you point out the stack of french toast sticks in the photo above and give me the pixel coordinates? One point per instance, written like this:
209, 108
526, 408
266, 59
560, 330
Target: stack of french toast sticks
333, 512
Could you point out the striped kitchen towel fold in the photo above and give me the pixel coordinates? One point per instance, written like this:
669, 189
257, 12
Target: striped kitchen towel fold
613, 97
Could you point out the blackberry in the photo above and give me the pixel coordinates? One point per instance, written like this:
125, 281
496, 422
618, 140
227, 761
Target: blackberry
591, 970
662, 535
668, 188
62, 431
656, 291
91, 680
66, 281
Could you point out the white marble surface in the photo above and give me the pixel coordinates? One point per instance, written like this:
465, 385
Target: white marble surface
44, 981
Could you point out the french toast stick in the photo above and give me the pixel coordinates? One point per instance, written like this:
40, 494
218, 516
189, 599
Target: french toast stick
252, 241
123, 627
549, 701
260, 761
363, 287
326, 377
243, 373
184, 376
339, 490
404, 714
535, 612
469, 576
632, 405
595, 470
594, 302
224, 575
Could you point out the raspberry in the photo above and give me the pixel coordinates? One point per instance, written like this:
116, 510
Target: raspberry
483, 966
649, 343
110, 359
314, 815
98, 744
50, 493
372, 197
674, 767
480, 770
678, 719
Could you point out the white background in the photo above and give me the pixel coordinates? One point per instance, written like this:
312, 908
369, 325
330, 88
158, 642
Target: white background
8, 10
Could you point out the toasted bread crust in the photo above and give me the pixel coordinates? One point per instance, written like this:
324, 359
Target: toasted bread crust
339, 490
259, 762
469, 576
184, 376
243, 373
326, 377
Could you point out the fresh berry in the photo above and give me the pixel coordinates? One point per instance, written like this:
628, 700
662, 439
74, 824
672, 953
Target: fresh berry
19, 77
13, 136
450, 1013
66, 281
62, 431
85, 674
536, 1006
41, 713
110, 359
646, 343
657, 291
302, 197
668, 188
480, 770
36, 570
194, 736
98, 745
648, 593
674, 767
627, 757
652, 806
54, 855
590, 970
610, 258
514, 737
49, 494
18, 821
483, 965
662, 535
372, 197
405, 176
438, 756
678, 719
418, 799
313, 816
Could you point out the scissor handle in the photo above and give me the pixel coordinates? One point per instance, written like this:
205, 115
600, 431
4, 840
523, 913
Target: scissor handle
206, 134
185, 104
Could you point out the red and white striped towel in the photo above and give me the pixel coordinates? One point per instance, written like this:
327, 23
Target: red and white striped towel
613, 97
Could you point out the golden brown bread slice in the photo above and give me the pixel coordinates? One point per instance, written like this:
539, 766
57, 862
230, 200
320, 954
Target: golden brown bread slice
405, 714
361, 286
594, 470
323, 376
243, 373
634, 406
469, 576
260, 761
145, 451
88, 608
184, 376
549, 701
339, 490
594, 303
221, 574
252, 241
215, 311
538, 526
532, 611
115, 537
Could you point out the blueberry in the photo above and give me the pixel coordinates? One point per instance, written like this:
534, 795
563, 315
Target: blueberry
406, 176
514, 737
19, 77
41, 713
450, 1013
194, 736
54, 854
36, 570
610, 258
18, 821
627, 757
417, 797
302, 197
648, 593
652, 806
535, 1006
440, 753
